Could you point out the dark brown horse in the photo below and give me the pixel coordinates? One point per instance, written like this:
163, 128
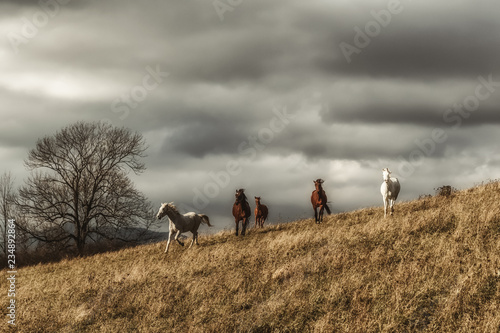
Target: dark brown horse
241, 211
318, 200
261, 212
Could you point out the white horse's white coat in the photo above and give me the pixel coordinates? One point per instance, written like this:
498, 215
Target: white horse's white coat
180, 223
390, 190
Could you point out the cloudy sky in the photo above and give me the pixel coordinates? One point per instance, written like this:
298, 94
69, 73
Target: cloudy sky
263, 95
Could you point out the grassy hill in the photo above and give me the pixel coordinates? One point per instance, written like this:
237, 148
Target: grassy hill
434, 267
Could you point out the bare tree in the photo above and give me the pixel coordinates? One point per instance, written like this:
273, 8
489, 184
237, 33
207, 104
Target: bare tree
7, 198
79, 189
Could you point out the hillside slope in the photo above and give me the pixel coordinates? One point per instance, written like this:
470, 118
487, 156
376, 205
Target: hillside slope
434, 267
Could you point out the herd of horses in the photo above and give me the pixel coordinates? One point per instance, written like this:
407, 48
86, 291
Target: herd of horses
242, 212
180, 223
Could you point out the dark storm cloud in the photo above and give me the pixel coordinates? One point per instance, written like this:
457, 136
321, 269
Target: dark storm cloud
29, 7
211, 137
347, 142
419, 113
23, 2
448, 51
423, 42
387, 112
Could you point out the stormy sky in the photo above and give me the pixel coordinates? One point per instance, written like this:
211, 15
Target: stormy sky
263, 95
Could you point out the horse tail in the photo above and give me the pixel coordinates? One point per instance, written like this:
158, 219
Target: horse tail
328, 209
205, 219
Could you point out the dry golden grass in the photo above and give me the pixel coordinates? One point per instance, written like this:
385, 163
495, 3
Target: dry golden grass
434, 267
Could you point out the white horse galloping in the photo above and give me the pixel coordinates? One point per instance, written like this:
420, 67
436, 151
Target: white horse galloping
390, 189
179, 223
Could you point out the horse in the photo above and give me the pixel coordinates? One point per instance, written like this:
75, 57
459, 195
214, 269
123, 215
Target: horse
318, 200
180, 223
241, 211
390, 190
261, 212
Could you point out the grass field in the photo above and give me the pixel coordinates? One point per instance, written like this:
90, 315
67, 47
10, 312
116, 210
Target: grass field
433, 267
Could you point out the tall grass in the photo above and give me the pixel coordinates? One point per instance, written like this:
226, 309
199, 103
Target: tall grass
433, 267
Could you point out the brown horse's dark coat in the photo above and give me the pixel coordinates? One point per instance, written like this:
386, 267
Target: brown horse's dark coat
261, 213
319, 200
241, 211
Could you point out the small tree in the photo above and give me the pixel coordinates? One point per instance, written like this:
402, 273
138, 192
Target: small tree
445, 191
79, 188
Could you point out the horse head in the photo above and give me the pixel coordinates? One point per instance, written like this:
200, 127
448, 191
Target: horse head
165, 208
318, 183
257, 200
240, 195
386, 173
162, 211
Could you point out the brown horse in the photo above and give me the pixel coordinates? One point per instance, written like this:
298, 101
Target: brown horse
241, 211
318, 200
261, 212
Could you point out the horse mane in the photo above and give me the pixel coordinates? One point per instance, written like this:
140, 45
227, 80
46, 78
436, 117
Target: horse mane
173, 208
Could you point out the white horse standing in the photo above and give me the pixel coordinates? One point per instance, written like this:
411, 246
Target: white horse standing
179, 223
390, 190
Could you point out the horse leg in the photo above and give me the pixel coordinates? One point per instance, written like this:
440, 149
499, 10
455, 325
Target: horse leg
195, 233
244, 226
321, 209
170, 236
177, 238
385, 207
392, 207
237, 225
316, 214
168, 243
